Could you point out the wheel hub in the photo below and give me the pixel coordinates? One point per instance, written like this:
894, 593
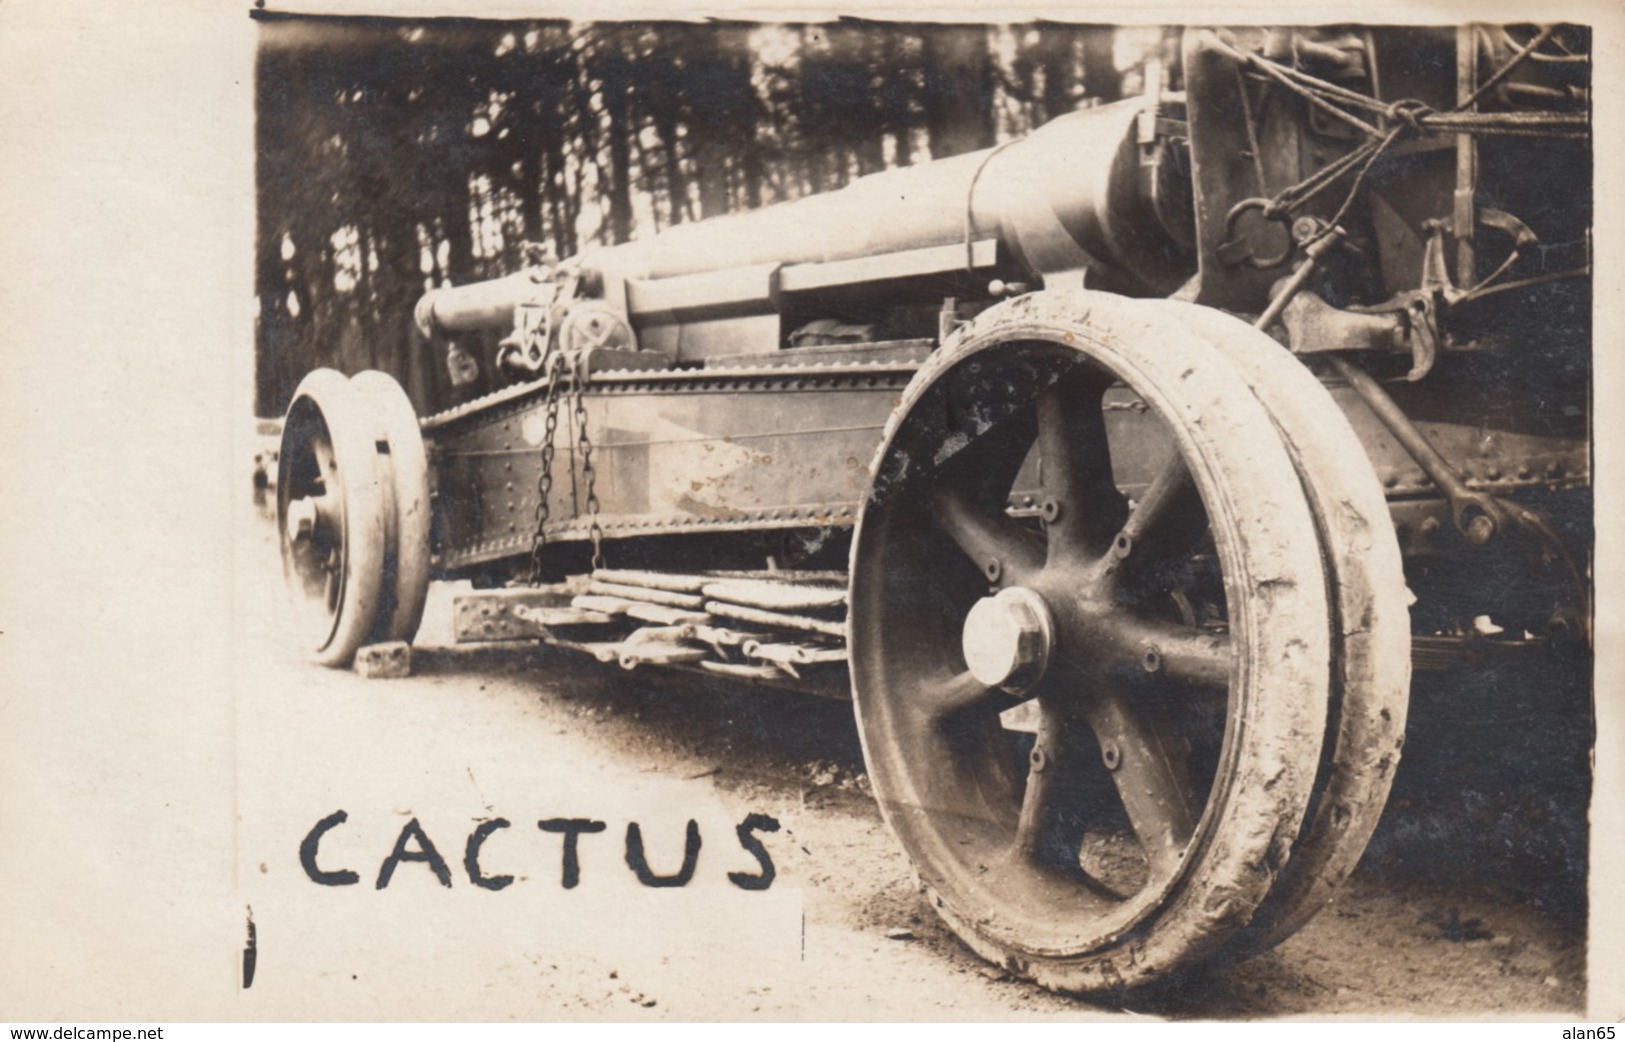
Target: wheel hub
1007, 639
304, 514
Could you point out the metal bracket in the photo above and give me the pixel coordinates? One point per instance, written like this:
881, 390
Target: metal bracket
1314, 326
1424, 340
1478, 516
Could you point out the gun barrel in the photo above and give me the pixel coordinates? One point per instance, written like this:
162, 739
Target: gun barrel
1067, 197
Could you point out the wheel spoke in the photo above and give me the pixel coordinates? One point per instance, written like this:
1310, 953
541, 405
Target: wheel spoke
1047, 836
1149, 770
1077, 470
959, 694
1164, 527
1181, 653
987, 536
1169, 517
1129, 848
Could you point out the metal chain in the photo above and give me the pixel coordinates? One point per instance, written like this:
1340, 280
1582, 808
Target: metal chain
589, 476
557, 357
544, 480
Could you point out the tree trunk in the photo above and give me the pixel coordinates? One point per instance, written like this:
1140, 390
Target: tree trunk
616, 73
957, 89
277, 330
1101, 80
1056, 54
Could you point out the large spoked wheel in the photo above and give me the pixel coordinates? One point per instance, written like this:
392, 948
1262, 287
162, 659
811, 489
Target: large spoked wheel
1177, 646
406, 564
1372, 628
332, 509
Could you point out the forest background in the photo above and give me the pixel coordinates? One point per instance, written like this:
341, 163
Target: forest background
396, 156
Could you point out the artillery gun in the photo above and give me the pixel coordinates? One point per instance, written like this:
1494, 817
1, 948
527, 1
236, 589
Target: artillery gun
1120, 474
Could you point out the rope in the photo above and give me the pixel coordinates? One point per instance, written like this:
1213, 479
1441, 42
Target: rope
1506, 70
1294, 196
1278, 73
1414, 115
1359, 178
1252, 132
1404, 117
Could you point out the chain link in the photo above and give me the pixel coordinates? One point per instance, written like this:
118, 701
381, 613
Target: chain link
557, 358
544, 480
589, 476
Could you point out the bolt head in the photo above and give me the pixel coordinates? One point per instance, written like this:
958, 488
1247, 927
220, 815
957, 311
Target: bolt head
1007, 639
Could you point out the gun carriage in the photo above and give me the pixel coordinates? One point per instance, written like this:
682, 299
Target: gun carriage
1121, 472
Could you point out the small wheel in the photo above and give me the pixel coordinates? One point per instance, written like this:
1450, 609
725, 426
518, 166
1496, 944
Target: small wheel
1372, 625
331, 509
406, 559
1178, 650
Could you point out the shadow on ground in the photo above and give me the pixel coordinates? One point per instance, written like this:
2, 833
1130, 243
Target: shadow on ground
1471, 896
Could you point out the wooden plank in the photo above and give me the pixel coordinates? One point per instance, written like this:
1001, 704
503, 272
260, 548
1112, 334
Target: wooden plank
780, 620
643, 611
643, 593
607, 605
666, 615
830, 577
777, 596
652, 580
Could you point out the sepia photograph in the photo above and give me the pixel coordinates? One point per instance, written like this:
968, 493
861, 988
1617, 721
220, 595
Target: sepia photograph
1147, 429
989, 517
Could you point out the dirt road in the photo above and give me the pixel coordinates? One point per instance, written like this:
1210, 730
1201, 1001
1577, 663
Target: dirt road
1470, 901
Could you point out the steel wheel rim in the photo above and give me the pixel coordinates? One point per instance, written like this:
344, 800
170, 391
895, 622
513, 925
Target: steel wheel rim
331, 517
316, 567
407, 551
953, 807
1371, 681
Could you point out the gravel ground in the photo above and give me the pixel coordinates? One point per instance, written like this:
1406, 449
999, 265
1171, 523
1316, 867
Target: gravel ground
1470, 901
